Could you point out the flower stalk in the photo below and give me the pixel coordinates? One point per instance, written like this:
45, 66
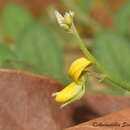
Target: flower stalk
99, 67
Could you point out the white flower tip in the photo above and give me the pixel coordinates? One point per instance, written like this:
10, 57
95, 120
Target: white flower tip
56, 13
59, 17
66, 20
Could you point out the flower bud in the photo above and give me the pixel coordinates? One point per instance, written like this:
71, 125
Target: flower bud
65, 21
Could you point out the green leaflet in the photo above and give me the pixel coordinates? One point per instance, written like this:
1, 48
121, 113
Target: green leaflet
39, 47
6, 55
122, 18
15, 19
112, 51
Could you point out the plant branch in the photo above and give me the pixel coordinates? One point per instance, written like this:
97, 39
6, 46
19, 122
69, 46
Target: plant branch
99, 67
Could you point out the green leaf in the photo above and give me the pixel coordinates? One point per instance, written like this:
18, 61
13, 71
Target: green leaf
122, 18
39, 47
5, 54
112, 51
15, 20
8, 59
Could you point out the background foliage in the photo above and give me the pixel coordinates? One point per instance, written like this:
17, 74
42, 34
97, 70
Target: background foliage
36, 43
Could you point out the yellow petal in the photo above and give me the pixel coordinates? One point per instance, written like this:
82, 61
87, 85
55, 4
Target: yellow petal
77, 67
76, 97
68, 92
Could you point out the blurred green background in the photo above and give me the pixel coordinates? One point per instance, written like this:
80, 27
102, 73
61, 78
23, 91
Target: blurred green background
32, 41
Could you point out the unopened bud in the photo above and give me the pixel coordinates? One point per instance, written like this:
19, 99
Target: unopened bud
65, 21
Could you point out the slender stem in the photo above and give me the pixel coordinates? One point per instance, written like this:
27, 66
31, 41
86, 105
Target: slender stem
92, 58
85, 50
122, 85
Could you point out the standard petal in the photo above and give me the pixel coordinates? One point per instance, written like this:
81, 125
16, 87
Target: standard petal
77, 67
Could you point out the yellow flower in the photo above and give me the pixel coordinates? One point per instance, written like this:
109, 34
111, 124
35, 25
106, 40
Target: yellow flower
76, 89
77, 68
